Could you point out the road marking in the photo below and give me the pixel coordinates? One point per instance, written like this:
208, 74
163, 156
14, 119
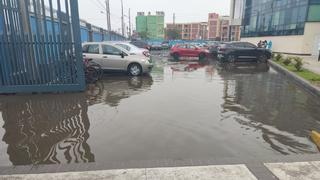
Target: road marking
295, 171
229, 172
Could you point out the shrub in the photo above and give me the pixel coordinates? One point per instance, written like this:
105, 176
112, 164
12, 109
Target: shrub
279, 57
287, 61
299, 63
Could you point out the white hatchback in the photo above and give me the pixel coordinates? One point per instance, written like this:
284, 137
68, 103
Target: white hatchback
115, 58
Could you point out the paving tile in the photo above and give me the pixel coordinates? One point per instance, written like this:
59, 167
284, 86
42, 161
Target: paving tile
133, 174
230, 172
295, 171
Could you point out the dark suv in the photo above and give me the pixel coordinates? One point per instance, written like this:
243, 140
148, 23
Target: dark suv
242, 51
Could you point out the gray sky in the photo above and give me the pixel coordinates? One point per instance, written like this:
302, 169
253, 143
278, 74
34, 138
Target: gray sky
186, 10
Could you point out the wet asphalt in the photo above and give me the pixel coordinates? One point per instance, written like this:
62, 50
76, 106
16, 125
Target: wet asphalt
182, 110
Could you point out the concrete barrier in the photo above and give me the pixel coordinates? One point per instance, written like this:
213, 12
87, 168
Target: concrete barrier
297, 79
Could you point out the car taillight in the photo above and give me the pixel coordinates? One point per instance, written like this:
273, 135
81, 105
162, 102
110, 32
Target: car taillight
146, 53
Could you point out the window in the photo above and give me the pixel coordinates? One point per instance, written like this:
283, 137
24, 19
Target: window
277, 17
249, 45
91, 49
106, 49
314, 13
126, 47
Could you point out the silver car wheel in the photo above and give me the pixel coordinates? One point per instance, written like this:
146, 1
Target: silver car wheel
135, 70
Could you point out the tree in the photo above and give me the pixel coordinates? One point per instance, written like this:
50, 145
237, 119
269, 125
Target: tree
173, 34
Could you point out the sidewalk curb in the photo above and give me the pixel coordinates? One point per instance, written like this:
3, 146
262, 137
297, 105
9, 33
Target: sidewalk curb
298, 80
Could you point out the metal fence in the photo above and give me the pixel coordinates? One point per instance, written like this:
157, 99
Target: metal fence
40, 46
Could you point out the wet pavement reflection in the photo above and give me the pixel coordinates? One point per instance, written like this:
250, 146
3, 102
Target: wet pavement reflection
183, 110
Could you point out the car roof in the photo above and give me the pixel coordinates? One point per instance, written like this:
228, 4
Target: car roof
106, 43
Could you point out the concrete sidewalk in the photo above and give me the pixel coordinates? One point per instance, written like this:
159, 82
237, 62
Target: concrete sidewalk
282, 171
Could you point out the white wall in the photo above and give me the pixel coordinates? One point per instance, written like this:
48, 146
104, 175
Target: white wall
303, 44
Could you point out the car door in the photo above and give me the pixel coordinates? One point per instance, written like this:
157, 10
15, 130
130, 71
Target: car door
251, 51
238, 50
192, 51
112, 58
92, 51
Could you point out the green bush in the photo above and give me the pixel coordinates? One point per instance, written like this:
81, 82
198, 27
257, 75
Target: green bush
287, 61
299, 63
279, 57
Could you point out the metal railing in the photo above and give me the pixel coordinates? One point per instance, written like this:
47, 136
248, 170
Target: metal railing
40, 48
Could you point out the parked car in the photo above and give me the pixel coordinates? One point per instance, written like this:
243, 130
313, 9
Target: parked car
213, 48
242, 51
156, 46
187, 50
114, 58
132, 48
165, 45
141, 44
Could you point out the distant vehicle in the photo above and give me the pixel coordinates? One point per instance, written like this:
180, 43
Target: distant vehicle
242, 51
155, 46
141, 44
114, 58
165, 45
187, 50
131, 48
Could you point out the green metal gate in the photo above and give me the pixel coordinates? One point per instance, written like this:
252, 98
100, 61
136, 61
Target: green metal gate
40, 46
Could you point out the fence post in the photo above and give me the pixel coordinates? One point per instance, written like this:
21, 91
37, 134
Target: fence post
77, 41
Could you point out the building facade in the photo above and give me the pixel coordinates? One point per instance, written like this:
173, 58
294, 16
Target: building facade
224, 26
151, 26
213, 26
191, 31
236, 14
292, 25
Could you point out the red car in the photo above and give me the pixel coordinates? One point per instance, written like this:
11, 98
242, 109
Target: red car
186, 50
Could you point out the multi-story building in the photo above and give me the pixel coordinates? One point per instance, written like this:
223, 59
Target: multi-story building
236, 13
191, 31
293, 26
224, 22
152, 26
213, 26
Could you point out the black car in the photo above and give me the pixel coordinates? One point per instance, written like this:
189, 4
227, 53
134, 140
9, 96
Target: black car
242, 51
141, 44
213, 48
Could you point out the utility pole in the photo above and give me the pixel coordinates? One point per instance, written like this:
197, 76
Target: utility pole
130, 23
174, 18
108, 18
122, 18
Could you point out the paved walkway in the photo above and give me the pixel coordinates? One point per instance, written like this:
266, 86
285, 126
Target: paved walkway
281, 171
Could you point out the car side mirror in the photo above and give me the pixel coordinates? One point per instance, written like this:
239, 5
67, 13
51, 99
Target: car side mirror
122, 54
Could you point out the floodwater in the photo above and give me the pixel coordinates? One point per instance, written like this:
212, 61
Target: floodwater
183, 110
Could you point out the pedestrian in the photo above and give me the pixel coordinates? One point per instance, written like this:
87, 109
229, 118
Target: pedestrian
265, 44
260, 44
270, 45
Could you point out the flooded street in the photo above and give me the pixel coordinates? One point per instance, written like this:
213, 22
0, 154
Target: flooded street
183, 110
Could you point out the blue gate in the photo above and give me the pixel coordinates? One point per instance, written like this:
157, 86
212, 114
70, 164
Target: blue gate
40, 46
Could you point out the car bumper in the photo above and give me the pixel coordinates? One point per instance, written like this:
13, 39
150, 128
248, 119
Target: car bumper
147, 68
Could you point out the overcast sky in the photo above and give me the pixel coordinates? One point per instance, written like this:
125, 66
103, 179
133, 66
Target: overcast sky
186, 10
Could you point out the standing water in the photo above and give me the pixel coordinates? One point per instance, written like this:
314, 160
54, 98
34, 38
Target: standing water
183, 110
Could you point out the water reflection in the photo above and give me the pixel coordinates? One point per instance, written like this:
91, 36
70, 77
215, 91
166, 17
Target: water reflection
115, 88
46, 129
280, 111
